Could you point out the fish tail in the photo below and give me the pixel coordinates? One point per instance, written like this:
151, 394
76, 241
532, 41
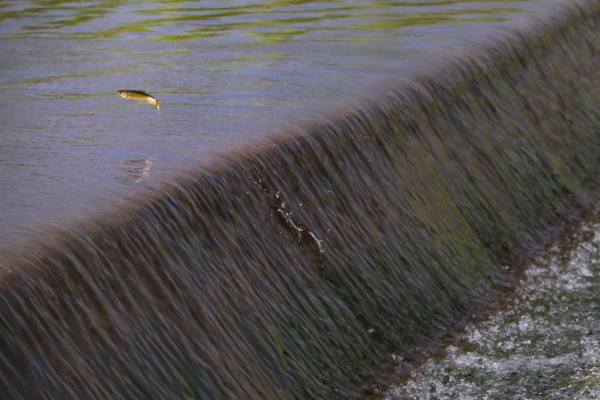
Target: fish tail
158, 104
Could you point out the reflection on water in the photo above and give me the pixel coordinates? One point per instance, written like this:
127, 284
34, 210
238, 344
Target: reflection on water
227, 73
545, 344
137, 169
244, 21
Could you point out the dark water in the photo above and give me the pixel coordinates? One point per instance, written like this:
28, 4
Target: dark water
229, 74
300, 209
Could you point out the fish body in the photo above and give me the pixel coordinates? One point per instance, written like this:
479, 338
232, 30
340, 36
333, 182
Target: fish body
139, 95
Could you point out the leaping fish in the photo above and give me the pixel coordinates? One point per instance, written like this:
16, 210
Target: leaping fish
139, 95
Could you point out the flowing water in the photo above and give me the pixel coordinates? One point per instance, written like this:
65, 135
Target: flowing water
544, 344
326, 183
228, 74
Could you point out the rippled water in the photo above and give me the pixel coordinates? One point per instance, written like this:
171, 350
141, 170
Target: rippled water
544, 345
228, 75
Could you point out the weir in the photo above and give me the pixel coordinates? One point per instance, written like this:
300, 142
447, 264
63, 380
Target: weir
296, 267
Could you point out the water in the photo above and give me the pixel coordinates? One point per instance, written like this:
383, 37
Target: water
230, 75
543, 344
283, 243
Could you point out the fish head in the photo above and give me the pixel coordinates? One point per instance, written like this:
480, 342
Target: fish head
121, 93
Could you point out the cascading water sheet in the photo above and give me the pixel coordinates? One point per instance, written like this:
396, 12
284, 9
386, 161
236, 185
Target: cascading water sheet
323, 185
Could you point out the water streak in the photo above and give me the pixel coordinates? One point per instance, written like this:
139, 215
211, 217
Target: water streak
295, 266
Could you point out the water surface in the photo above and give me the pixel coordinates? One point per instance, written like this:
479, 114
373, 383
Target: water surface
227, 73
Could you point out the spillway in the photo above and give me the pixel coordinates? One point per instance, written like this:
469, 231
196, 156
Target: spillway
292, 265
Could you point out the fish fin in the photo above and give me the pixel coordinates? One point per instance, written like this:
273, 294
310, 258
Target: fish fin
158, 104
142, 90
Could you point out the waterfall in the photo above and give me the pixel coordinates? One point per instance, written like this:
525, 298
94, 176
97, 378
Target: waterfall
295, 268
